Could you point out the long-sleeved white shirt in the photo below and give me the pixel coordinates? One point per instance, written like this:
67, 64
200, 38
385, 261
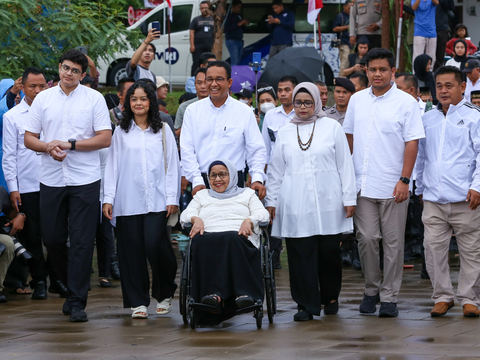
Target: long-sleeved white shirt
273, 121
20, 164
310, 189
449, 156
60, 117
230, 132
381, 125
227, 214
135, 179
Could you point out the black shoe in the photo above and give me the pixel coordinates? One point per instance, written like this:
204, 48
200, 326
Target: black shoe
244, 301
56, 287
114, 269
424, 274
388, 310
277, 266
78, 315
302, 316
3, 298
369, 304
39, 291
357, 265
66, 308
104, 282
331, 308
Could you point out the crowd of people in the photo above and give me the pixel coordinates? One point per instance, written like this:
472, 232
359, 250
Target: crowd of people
391, 163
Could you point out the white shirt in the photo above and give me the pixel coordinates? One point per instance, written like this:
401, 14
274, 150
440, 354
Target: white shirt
309, 189
227, 214
470, 87
135, 179
60, 117
452, 62
422, 104
449, 156
20, 165
210, 133
273, 121
381, 125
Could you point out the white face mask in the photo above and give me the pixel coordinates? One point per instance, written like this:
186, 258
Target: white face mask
264, 108
243, 101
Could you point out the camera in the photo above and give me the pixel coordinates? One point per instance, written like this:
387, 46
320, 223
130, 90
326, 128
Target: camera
118, 113
20, 251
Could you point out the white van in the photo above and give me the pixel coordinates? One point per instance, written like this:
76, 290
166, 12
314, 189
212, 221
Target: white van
256, 38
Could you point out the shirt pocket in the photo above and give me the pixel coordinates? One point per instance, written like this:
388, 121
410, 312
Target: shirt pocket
231, 135
362, 8
388, 126
81, 119
378, 7
272, 133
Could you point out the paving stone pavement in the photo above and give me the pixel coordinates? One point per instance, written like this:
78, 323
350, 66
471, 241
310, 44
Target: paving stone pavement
37, 329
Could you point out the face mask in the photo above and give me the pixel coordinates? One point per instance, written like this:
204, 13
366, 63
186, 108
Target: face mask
264, 108
243, 101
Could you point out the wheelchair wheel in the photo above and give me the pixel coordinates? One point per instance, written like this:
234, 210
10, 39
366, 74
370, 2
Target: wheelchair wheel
258, 315
193, 320
270, 291
183, 292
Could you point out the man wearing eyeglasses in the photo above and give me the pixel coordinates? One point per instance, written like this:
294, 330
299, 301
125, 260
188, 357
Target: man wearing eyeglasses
220, 126
75, 123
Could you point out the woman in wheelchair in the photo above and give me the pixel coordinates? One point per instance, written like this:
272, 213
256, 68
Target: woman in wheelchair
226, 264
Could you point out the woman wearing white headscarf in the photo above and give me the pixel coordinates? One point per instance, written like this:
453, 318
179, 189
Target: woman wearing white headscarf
311, 199
226, 265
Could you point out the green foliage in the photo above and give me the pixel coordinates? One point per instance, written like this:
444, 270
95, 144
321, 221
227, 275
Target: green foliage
36, 33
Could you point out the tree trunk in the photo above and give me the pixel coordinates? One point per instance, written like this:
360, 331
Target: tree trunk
219, 17
385, 24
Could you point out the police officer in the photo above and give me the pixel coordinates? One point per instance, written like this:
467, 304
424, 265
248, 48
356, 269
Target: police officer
366, 19
344, 89
475, 97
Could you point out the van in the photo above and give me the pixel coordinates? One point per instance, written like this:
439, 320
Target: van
256, 39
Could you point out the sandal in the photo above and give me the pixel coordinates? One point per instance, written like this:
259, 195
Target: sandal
164, 307
104, 282
139, 312
213, 300
21, 291
244, 301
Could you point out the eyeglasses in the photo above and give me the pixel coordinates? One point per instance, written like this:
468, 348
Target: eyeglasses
222, 175
306, 103
67, 68
218, 80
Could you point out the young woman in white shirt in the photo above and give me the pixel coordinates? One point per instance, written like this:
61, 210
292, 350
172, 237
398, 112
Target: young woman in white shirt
311, 199
459, 54
225, 234
140, 193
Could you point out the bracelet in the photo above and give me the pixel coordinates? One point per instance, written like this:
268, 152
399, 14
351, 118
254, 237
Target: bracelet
20, 213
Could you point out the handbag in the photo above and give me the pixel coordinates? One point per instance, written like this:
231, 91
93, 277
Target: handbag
173, 218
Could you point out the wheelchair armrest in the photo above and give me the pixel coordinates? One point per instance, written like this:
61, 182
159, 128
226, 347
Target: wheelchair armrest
263, 224
187, 226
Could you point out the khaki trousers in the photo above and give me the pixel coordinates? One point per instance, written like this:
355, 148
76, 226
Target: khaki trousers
381, 219
344, 51
423, 45
6, 258
440, 221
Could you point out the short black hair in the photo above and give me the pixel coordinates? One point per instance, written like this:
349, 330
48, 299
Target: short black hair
460, 26
87, 80
222, 64
236, 2
277, 2
448, 69
409, 79
379, 53
121, 83
56, 78
290, 78
153, 47
204, 2
205, 56
161, 102
200, 70
149, 82
185, 97
361, 77
77, 57
320, 83
33, 71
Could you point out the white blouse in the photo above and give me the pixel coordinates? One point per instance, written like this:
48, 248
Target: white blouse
227, 214
135, 179
309, 189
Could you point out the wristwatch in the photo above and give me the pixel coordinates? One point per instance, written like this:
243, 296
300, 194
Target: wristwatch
73, 142
405, 180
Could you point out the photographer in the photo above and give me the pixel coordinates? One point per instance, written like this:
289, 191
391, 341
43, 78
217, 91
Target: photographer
340, 26
16, 221
356, 61
138, 66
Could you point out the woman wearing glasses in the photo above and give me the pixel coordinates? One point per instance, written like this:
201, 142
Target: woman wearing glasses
226, 262
311, 199
267, 100
141, 190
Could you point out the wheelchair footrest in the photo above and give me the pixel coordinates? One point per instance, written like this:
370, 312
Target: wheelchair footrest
257, 306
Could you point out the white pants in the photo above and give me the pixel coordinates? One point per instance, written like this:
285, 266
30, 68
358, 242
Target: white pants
423, 45
440, 221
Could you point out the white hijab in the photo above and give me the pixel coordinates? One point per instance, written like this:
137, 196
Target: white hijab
232, 188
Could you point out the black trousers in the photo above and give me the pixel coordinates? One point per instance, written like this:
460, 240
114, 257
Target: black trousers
71, 211
105, 244
275, 245
199, 50
315, 266
375, 40
240, 182
442, 39
141, 238
31, 237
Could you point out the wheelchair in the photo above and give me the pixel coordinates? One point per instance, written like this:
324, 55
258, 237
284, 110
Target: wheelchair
189, 306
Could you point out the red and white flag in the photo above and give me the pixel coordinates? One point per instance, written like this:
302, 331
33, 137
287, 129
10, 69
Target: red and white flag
170, 10
314, 7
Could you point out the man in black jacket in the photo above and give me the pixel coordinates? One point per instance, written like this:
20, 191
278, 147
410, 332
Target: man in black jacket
442, 15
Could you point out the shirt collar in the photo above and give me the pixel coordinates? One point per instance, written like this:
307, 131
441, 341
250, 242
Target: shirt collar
23, 106
390, 91
134, 126
282, 109
224, 104
71, 92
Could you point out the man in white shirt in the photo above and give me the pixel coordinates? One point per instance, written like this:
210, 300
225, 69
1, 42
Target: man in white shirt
221, 126
75, 123
21, 167
448, 179
472, 69
273, 121
383, 125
